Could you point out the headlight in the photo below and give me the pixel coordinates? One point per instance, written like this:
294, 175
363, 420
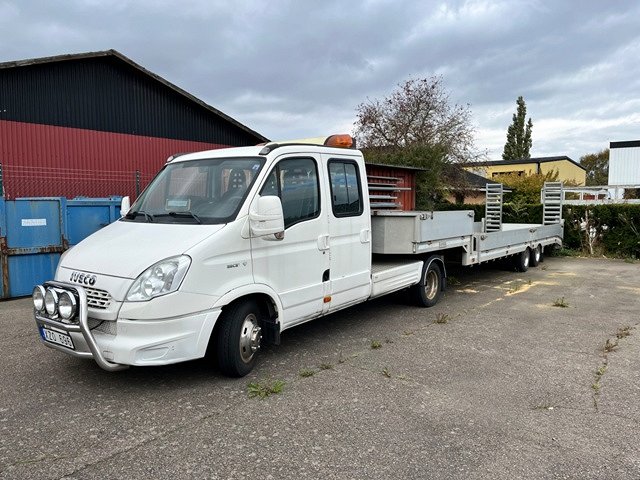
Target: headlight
38, 298
51, 302
159, 279
66, 305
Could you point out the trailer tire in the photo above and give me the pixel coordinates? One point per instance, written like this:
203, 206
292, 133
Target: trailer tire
427, 292
238, 339
536, 256
522, 260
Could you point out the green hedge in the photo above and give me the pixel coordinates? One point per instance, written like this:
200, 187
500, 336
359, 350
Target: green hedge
617, 227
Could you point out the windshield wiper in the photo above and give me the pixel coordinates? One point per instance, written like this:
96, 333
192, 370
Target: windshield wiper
186, 213
131, 215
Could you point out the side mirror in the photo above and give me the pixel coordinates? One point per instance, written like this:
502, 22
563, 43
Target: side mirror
266, 217
125, 206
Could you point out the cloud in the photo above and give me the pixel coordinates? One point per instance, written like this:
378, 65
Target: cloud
293, 69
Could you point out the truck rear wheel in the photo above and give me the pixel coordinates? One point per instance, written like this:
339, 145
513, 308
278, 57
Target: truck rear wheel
522, 260
536, 256
428, 291
239, 338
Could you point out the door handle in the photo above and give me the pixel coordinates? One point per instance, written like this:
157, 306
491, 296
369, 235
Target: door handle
365, 235
323, 242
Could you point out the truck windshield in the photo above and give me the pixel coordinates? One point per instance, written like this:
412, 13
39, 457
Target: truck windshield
199, 191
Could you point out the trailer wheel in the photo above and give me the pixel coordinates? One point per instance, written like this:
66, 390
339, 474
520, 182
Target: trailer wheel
428, 291
522, 260
536, 256
239, 339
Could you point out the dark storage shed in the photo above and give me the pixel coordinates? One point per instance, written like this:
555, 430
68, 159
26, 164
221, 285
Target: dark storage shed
84, 124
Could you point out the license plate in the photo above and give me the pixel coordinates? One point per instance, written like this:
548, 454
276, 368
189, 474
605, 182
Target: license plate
56, 337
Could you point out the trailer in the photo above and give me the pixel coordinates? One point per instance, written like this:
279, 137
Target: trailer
228, 248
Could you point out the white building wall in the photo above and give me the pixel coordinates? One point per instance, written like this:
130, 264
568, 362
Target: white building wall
624, 165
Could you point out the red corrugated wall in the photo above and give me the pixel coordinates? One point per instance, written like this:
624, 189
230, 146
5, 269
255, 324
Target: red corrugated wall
42, 160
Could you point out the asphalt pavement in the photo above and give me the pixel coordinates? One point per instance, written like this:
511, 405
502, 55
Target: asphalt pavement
494, 382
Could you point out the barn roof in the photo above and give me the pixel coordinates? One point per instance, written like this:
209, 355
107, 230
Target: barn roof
125, 60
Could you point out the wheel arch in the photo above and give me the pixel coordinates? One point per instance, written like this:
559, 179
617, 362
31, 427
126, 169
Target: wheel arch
439, 260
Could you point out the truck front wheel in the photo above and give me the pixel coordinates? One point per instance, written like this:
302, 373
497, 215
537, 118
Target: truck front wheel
428, 291
239, 338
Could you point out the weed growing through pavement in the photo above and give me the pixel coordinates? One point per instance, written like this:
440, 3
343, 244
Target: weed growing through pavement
441, 318
623, 332
516, 286
561, 302
341, 358
265, 388
306, 372
326, 366
386, 372
375, 344
610, 346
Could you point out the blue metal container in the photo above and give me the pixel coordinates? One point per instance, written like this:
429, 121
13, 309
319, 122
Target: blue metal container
35, 231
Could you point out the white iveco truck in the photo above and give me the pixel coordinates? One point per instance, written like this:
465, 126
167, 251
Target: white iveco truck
227, 248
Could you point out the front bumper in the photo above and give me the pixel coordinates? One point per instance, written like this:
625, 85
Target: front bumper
136, 342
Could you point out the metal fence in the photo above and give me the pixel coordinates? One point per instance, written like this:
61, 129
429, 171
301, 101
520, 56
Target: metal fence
27, 181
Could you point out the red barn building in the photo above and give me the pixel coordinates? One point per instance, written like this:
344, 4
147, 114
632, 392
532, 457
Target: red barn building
98, 124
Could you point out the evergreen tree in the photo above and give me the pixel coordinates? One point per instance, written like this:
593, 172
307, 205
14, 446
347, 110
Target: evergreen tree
518, 144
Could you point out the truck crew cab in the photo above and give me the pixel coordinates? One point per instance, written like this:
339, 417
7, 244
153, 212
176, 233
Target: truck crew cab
227, 248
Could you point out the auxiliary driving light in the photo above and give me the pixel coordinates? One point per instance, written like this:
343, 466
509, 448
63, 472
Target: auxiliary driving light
38, 297
66, 305
51, 302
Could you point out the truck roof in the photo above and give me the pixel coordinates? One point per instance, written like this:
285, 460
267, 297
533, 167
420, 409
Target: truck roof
261, 151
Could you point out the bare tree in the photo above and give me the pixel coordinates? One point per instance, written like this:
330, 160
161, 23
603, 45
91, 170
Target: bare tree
418, 126
417, 113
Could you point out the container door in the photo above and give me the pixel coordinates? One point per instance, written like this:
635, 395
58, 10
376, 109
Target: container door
31, 243
349, 233
296, 266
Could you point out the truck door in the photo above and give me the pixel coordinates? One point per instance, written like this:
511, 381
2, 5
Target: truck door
349, 232
296, 265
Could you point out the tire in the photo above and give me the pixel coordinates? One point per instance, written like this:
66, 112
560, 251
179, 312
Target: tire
536, 256
428, 291
522, 260
238, 340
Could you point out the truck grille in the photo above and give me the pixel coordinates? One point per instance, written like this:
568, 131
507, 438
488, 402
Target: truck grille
99, 299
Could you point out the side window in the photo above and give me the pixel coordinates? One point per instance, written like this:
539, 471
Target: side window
346, 195
295, 181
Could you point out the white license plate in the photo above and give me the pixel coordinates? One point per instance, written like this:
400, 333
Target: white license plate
56, 337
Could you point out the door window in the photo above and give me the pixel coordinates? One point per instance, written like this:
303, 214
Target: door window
295, 181
346, 195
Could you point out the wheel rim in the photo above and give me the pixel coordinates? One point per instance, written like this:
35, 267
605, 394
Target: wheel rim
250, 337
538, 253
431, 285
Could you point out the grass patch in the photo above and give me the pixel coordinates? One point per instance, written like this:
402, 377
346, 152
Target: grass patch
375, 344
265, 388
306, 372
325, 366
560, 302
442, 318
565, 252
630, 260
453, 281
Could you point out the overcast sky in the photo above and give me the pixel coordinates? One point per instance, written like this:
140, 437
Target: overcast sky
291, 69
